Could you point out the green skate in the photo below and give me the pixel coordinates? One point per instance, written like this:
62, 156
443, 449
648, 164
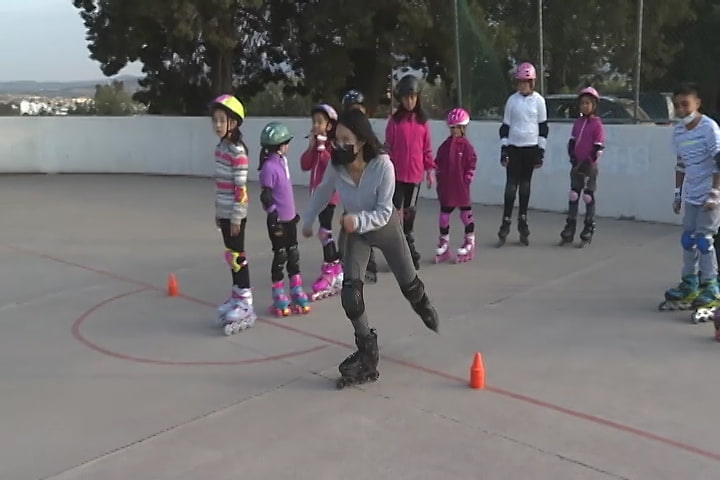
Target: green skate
707, 302
682, 296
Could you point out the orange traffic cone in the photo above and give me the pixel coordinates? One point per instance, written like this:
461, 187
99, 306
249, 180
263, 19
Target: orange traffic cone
173, 288
477, 372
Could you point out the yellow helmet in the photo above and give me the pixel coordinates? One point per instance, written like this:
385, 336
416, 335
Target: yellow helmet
231, 104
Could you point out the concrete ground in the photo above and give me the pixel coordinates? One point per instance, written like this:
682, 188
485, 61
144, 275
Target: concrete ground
104, 376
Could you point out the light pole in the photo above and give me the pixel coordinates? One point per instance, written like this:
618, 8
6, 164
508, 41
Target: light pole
542, 47
638, 60
458, 73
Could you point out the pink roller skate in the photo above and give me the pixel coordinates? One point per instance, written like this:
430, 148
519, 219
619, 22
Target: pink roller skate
467, 251
329, 282
300, 300
442, 252
281, 303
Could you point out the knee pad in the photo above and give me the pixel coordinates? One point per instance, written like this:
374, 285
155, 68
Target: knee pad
574, 196
705, 244
687, 240
325, 236
444, 220
351, 297
280, 257
293, 255
588, 196
466, 217
414, 291
236, 260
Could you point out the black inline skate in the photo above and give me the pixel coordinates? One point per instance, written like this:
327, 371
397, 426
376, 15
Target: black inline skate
504, 231
360, 367
587, 233
524, 230
568, 234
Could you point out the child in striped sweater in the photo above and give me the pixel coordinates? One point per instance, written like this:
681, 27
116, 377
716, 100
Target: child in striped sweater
231, 208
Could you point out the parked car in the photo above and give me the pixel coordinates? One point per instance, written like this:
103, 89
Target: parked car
658, 106
564, 107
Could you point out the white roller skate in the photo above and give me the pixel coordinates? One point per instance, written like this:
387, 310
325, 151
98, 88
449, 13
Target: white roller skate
237, 313
330, 281
467, 251
442, 252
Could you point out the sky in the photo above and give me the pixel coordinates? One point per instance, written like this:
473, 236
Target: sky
44, 40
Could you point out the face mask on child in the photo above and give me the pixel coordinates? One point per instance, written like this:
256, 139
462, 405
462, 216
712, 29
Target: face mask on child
687, 119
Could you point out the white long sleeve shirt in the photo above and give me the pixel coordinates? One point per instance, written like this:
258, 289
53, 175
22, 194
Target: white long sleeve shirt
524, 114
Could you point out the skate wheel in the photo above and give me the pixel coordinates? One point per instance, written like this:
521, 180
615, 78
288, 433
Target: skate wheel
228, 329
664, 306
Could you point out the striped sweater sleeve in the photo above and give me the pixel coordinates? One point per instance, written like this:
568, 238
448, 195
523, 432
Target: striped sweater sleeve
239, 164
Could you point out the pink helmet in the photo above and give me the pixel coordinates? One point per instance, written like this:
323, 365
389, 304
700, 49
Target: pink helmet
525, 71
589, 91
458, 117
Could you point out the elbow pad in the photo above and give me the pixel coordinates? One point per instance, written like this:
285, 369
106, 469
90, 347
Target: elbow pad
266, 198
597, 150
504, 130
571, 148
544, 129
680, 165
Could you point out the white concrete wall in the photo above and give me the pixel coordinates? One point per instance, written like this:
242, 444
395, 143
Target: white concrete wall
636, 172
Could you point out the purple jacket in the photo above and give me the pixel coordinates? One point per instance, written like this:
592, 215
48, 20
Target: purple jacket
587, 139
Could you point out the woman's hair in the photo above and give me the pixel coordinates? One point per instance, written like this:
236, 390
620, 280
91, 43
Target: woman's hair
266, 151
401, 113
358, 123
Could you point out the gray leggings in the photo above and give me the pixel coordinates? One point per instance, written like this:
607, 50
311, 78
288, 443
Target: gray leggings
356, 252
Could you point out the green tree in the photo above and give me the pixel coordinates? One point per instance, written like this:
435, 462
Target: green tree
583, 39
190, 49
112, 99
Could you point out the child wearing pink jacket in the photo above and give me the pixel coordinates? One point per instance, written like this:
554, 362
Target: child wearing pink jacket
407, 140
585, 147
456, 160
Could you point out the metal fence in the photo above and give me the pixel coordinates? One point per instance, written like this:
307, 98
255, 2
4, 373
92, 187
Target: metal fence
572, 45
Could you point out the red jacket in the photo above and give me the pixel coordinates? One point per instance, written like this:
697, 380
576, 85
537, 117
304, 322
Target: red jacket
408, 143
316, 162
456, 160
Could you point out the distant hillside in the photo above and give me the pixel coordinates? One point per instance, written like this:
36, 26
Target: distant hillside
64, 89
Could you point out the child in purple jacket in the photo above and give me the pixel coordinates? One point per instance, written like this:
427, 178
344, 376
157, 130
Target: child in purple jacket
585, 147
278, 201
455, 169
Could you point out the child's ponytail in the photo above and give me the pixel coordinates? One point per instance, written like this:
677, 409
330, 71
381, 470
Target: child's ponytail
265, 152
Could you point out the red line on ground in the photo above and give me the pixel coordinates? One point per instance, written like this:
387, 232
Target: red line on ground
77, 333
498, 391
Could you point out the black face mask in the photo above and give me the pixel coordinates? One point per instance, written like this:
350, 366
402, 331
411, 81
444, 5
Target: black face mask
343, 155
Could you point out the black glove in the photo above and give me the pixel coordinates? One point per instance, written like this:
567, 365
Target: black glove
540, 157
273, 224
504, 156
573, 162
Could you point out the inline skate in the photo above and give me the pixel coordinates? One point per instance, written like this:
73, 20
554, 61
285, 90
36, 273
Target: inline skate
300, 302
281, 302
329, 282
523, 230
682, 296
361, 366
706, 303
467, 251
442, 252
568, 234
504, 231
237, 313
586, 235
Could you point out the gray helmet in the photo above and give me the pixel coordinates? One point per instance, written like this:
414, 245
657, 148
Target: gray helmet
408, 85
274, 134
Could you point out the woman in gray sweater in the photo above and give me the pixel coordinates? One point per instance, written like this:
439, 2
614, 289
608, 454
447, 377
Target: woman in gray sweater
364, 177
